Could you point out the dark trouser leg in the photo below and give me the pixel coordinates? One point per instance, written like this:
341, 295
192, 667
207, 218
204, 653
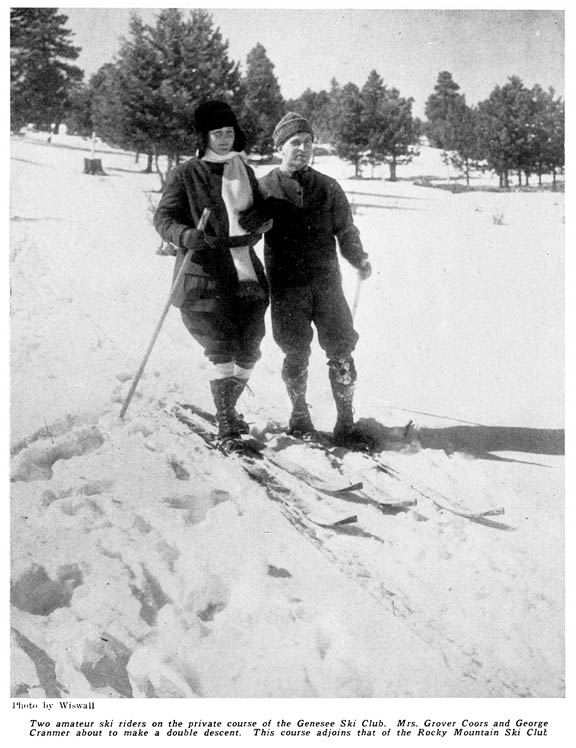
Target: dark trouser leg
211, 323
251, 328
338, 338
333, 319
230, 331
292, 310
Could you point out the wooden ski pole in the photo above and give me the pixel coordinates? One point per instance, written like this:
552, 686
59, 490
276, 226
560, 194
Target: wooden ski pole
356, 295
200, 227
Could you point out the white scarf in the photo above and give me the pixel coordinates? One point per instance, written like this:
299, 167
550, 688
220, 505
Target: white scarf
237, 196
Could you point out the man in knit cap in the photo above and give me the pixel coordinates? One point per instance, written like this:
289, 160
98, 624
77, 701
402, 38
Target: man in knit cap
311, 217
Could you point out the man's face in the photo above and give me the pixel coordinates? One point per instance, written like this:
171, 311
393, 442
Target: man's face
221, 141
297, 151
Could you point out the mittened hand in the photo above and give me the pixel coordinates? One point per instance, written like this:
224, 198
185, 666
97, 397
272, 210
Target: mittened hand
251, 220
365, 270
192, 239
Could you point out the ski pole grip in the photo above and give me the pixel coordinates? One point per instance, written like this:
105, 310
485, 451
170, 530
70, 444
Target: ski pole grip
203, 220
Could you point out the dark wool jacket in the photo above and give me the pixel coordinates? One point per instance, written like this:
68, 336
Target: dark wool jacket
193, 186
310, 213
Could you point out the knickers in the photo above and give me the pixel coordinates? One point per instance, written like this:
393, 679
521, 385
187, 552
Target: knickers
322, 303
228, 329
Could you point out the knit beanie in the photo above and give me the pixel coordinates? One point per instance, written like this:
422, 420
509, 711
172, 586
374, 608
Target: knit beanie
212, 115
288, 126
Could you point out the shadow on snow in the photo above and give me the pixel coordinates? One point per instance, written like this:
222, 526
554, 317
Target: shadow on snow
475, 440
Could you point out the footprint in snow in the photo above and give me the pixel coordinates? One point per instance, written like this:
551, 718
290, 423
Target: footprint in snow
35, 592
196, 506
35, 462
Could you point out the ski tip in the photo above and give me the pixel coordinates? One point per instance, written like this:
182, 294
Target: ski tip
344, 521
350, 487
498, 511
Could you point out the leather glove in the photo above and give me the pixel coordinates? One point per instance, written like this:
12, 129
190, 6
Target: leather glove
365, 270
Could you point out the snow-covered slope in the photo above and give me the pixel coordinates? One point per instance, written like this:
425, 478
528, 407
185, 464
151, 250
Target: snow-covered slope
144, 564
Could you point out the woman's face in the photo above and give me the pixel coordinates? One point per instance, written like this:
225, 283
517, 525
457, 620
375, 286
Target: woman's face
221, 141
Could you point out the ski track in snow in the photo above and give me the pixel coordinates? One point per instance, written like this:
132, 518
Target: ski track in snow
144, 564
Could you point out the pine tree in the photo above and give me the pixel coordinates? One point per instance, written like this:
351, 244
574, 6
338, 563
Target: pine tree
547, 132
146, 100
503, 129
465, 153
195, 67
157, 73
41, 78
451, 125
79, 118
115, 112
125, 93
392, 130
315, 107
263, 103
555, 147
445, 111
373, 111
349, 132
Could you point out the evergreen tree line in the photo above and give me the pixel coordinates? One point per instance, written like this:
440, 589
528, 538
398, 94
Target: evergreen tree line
144, 101
41, 76
516, 131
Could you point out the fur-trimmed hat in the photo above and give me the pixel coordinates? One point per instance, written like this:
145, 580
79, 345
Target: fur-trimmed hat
212, 115
288, 126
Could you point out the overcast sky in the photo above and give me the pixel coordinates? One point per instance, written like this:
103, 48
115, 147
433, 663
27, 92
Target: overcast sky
408, 48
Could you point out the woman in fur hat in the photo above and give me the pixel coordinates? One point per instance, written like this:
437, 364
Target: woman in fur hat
224, 294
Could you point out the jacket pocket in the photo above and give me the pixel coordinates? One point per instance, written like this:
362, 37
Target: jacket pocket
193, 284
198, 287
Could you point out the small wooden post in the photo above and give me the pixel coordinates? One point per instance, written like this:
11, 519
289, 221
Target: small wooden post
93, 165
